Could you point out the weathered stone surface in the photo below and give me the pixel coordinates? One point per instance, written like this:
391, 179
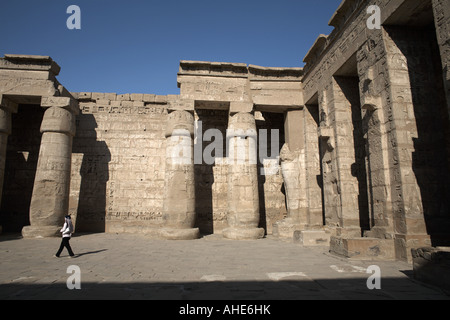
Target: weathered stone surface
50, 199
364, 127
243, 199
363, 248
292, 168
312, 237
179, 197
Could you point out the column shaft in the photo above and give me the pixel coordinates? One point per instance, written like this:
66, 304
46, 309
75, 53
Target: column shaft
50, 198
243, 198
179, 200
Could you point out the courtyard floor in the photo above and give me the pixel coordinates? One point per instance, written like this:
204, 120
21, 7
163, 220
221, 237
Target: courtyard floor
124, 266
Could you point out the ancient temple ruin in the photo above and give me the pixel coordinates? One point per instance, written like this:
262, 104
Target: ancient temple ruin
350, 152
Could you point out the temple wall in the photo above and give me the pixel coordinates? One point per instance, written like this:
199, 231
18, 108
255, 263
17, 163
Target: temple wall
118, 166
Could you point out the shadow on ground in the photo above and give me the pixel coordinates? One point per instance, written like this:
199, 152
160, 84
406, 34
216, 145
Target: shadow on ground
321, 289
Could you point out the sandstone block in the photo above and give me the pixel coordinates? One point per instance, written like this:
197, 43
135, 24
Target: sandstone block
312, 237
363, 248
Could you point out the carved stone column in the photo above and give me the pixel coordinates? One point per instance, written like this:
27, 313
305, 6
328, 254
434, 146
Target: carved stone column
6, 108
179, 199
243, 198
50, 198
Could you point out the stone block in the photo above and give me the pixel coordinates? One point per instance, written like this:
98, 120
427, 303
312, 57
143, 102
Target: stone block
363, 248
160, 99
137, 97
98, 96
84, 95
123, 97
432, 266
110, 96
150, 98
312, 237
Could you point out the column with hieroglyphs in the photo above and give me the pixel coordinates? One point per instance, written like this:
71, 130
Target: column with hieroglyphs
243, 198
179, 197
6, 108
50, 198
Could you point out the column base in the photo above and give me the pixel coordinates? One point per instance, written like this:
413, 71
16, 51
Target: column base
243, 233
40, 232
179, 234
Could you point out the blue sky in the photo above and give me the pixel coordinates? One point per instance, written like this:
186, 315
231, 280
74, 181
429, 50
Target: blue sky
135, 46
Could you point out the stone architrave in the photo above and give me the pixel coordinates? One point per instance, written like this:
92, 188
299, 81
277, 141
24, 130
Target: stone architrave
179, 198
50, 198
6, 108
243, 198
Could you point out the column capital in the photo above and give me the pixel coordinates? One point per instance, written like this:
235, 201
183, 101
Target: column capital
242, 124
180, 122
59, 120
67, 103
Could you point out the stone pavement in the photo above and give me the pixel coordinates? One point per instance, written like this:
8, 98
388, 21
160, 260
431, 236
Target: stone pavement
125, 266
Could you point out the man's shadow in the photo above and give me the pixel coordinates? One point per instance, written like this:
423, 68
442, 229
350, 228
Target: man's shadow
89, 252
94, 171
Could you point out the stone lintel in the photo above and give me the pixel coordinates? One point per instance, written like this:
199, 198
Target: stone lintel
277, 108
61, 102
29, 62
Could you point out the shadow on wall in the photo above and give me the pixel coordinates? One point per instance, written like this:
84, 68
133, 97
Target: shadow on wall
20, 167
94, 172
430, 154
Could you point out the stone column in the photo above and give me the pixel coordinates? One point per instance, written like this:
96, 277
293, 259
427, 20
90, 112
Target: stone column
375, 128
179, 199
441, 11
243, 198
343, 101
50, 198
6, 108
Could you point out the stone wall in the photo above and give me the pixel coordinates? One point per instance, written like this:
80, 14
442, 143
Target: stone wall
118, 162
118, 166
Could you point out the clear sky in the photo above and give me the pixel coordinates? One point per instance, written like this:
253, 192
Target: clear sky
135, 46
